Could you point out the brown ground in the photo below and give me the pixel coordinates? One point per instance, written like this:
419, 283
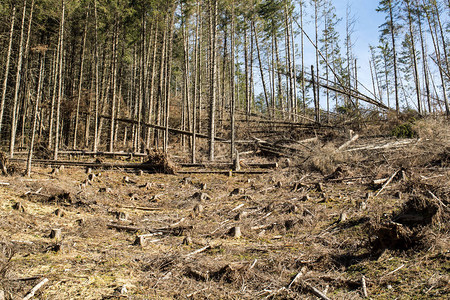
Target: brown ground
329, 234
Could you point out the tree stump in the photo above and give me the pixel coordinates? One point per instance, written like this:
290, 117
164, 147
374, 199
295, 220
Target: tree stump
198, 209
59, 212
235, 232
19, 207
56, 234
187, 240
122, 216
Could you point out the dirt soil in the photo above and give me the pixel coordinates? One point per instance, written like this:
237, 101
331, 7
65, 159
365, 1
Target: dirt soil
318, 223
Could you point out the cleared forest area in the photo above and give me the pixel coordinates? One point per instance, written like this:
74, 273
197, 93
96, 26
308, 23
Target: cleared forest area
187, 150
318, 212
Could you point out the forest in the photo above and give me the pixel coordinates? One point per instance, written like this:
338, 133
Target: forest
120, 74
224, 149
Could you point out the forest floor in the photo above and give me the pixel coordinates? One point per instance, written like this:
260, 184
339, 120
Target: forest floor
358, 222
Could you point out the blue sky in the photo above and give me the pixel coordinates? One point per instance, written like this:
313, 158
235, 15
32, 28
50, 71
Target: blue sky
367, 21
366, 32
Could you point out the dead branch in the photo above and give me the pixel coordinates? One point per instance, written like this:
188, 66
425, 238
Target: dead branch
197, 251
35, 289
349, 142
386, 183
142, 208
315, 291
364, 287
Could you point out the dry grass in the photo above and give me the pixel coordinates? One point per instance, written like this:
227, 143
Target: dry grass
330, 232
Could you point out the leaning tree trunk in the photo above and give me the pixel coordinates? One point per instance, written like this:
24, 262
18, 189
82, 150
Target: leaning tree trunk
261, 68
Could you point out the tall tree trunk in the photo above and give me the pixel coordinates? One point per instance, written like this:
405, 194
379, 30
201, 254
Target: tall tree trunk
394, 53
289, 63
60, 87
168, 81
54, 91
8, 59
96, 118
424, 58
114, 85
303, 57
196, 84
435, 39
213, 71
414, 57
35, 115
80, 83
232, 86
293, 72
317, 90
152, 89
16, 91
279, 87
247, 85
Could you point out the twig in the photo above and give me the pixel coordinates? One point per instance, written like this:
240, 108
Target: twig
142, 208
197, 251
123, 227
392, 272
346, 144
437, 199
237, 207
196, 292
299, 274
34, 290
386, 183
177, 223
4, 183
316, 292
221, 225
364, 287
253, 264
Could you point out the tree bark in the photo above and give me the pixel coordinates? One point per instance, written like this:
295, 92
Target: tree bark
261, 68
35, 115
232, 86
80, 83
8, 59
60, 85
213, 70
16, 91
